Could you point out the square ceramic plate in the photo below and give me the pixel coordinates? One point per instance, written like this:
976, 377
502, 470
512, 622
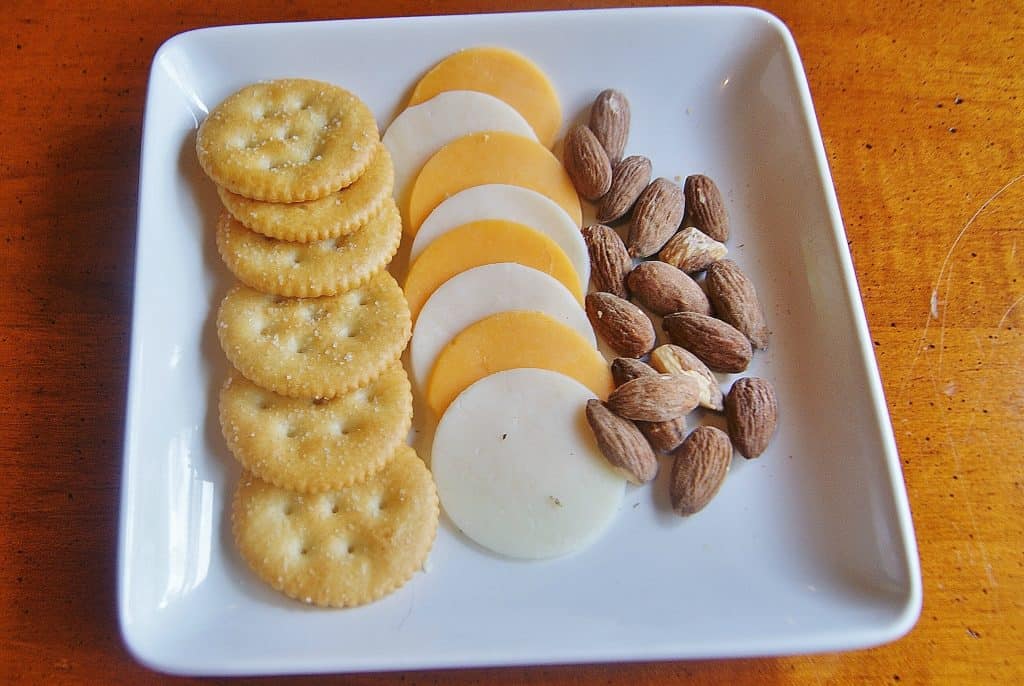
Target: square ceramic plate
809, 548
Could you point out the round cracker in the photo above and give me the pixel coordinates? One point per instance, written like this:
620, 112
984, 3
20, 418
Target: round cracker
315, 347
309, 270
338, 214
311, 446
287, 140
340, 548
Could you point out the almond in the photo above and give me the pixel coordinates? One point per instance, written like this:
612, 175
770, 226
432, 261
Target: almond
587, 163
692, 251
671, 359
621, 443
609, 120
736, 302
656, 216
699, 469
609, 261
752, 410
705, 208
663, 289
621, 324
663, 436
629, 178
718, 345
656, 398
627, 368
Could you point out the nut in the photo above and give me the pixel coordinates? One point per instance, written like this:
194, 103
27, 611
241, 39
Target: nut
609, 261
705, 208
752, 411
656, 216
717, 344
656, 398
609, 120
587, 163
671, 359
621, 443
699, 469
626, 369
663, 436
663, 289
629, 178
736, 302
692, 251
621, 324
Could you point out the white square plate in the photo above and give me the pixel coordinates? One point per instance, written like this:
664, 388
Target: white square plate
809, 548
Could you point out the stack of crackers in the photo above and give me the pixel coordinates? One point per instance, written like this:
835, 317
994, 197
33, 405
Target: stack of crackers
333, 507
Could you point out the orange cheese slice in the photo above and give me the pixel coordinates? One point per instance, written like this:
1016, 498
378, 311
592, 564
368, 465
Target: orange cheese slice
514, 340
506, 75
490, 157
489, 241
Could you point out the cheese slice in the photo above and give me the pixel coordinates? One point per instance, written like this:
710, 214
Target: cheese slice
475, 294
504, 74
420, 131
490, 157
485, 242
517, 469
512, 203
509, 340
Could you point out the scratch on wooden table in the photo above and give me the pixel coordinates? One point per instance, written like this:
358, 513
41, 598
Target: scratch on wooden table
1009, 309
937, 308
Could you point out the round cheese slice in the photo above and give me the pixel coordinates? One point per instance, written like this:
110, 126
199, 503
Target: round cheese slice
512, 203
508, 340
490, 157
504, 74
485, 242
517, 469
468, 297
420, 131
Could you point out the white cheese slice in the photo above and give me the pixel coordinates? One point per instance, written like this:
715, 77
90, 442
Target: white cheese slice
420, 131
517, 468
511, 203
476, 293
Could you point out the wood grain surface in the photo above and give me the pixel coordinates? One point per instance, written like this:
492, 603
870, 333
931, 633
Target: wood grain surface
922, 110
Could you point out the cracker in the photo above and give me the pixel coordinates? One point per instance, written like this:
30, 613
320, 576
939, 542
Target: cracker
307, 270
316, 347
287, 140
335, 215
340, 548
311, 446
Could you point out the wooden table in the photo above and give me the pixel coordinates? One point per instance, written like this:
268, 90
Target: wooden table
922, 110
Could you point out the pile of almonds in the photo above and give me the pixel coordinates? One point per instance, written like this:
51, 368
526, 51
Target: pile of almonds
714, 325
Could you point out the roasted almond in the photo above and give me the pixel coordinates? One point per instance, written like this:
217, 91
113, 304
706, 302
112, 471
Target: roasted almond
718, 345
671, 359
699, 468
692, 251
621, 324
627, 368
629, 178
736, 302
609, 261
656, 398
752, 411
656, 216
621, 443
663, 436
609, 120
705, 208
587, 163
663, 289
